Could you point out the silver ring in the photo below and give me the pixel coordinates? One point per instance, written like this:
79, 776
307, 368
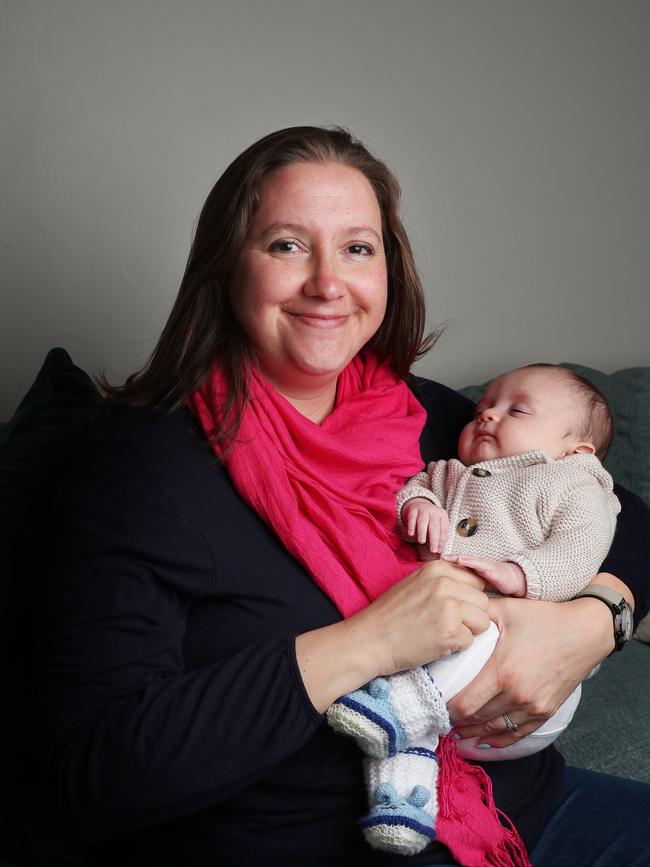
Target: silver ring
512, 726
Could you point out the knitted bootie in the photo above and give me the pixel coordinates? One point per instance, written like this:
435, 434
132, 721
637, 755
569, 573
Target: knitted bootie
391, 713
399, 825
367, 716
402, 818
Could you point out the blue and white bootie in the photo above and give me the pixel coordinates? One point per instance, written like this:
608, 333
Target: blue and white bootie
402, 817
390, 713
367, 716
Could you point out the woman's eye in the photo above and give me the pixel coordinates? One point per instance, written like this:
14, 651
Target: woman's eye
360, 249
285, 247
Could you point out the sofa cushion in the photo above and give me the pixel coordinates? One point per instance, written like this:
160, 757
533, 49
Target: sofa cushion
36, 448
609, 732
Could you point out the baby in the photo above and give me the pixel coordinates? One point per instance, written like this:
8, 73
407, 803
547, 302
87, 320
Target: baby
530, 509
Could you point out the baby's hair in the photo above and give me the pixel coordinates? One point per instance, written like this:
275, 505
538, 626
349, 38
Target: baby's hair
597, 425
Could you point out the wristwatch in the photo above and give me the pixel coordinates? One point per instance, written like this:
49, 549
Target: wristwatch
621, 611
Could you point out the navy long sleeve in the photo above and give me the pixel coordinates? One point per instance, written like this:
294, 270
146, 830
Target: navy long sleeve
152, 682
179, 730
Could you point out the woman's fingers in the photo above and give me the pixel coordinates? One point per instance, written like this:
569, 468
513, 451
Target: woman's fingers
475, 619
497, 733
427, 615
474, 704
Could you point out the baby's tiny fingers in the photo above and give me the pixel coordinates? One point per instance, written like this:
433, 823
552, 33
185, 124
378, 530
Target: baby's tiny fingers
423, 527
434, 537
411, 518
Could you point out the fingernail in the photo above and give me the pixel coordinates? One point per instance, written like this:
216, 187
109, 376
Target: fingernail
485, 746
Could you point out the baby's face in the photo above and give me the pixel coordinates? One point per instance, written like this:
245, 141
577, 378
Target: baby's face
524, 410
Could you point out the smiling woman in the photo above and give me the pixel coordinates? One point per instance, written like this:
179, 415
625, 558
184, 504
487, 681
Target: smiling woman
310, 286
205, 612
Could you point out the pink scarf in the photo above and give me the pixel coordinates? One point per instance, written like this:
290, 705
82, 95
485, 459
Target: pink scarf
328, 492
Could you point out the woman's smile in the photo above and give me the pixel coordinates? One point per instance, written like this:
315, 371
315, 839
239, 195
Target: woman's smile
313, 320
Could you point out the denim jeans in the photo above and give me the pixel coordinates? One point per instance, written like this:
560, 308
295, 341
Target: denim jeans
597, 821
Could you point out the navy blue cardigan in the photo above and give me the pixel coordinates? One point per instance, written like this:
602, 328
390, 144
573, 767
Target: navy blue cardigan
178, 728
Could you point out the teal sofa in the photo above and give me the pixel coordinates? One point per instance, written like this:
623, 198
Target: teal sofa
609, 732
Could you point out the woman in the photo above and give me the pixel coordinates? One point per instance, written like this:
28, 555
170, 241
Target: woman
190, 655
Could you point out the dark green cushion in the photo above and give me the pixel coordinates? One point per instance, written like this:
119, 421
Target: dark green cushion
610, 731
37, 447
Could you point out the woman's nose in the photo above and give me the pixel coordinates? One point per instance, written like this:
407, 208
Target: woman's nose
324, 280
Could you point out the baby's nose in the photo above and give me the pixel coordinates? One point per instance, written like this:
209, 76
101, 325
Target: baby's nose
488, 413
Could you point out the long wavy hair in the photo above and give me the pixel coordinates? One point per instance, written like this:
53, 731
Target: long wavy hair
202, 331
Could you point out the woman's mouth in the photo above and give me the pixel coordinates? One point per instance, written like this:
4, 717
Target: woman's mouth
315, 321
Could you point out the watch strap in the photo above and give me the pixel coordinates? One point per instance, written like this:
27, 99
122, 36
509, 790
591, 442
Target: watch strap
619, 608
601, 591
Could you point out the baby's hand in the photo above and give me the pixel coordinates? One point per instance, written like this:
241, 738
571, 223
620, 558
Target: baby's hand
506, 577
426, 523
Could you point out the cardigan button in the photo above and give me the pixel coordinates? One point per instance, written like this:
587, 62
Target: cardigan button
481, 472
467, 527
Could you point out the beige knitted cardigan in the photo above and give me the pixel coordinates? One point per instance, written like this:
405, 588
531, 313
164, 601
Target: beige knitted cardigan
555, 518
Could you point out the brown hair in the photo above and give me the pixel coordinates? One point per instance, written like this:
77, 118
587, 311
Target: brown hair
596, 420
202, 330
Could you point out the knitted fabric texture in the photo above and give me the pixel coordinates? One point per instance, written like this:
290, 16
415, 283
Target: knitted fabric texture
555, 518
367, 716
391, 713
402, 815
418, 705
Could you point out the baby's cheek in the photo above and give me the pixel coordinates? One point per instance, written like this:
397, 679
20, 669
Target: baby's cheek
465, 440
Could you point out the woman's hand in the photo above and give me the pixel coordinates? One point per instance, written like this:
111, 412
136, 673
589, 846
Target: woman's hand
545, 650
431, 613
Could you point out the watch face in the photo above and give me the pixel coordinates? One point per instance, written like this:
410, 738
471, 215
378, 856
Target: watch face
626, 623
623, 625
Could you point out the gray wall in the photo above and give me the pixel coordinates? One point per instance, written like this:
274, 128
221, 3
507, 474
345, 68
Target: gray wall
520, 132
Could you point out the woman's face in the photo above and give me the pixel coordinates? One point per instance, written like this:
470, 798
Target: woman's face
310, 285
